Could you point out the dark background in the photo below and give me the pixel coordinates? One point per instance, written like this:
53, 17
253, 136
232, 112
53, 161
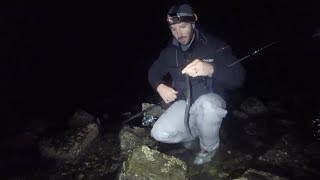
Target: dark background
57, 56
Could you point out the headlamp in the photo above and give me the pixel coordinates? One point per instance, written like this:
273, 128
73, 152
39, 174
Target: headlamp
174, 18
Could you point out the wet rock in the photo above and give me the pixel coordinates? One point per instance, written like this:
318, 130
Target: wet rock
256, 128
233, 162
240, 114
252, 174
145, 163
277, 157
130, 138
70, 143
255, 142
81, 118
286, 153
254, 107
101, 160
114, 167
207, 172
80, 176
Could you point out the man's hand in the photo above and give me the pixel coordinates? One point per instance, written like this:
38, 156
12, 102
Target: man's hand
198, 68
167, 93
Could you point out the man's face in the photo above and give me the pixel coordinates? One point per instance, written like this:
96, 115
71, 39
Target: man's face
183, 32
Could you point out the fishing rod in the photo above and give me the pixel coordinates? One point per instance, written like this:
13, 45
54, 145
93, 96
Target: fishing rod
253, 53
142, 112
316, 34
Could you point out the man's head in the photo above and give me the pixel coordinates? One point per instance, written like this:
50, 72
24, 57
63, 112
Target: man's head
181, 20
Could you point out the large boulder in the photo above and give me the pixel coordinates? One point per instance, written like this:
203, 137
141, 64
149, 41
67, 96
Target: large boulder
286, 153
81, 118
130, 138
145, 163
253, 107
252, 174
70, 143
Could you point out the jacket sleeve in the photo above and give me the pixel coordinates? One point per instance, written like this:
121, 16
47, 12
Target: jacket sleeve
230, 77
158, 70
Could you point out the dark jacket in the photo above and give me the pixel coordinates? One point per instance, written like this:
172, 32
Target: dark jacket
172, 60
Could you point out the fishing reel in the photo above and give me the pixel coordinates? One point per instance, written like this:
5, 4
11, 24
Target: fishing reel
148, 120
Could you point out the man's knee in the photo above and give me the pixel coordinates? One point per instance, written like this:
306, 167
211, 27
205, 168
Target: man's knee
164, 136
211, 108
155, 133
211, 102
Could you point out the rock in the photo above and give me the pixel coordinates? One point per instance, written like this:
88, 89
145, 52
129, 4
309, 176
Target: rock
255, 142
240, 114
68, 144
80, 176
253, 106
286, 153
114, 167
277, 157
81, 118
145, 163
96, 162
256, 128
252, 174
231, 162
132, 138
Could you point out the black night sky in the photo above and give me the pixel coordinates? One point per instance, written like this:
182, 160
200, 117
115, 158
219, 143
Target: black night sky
57, 56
